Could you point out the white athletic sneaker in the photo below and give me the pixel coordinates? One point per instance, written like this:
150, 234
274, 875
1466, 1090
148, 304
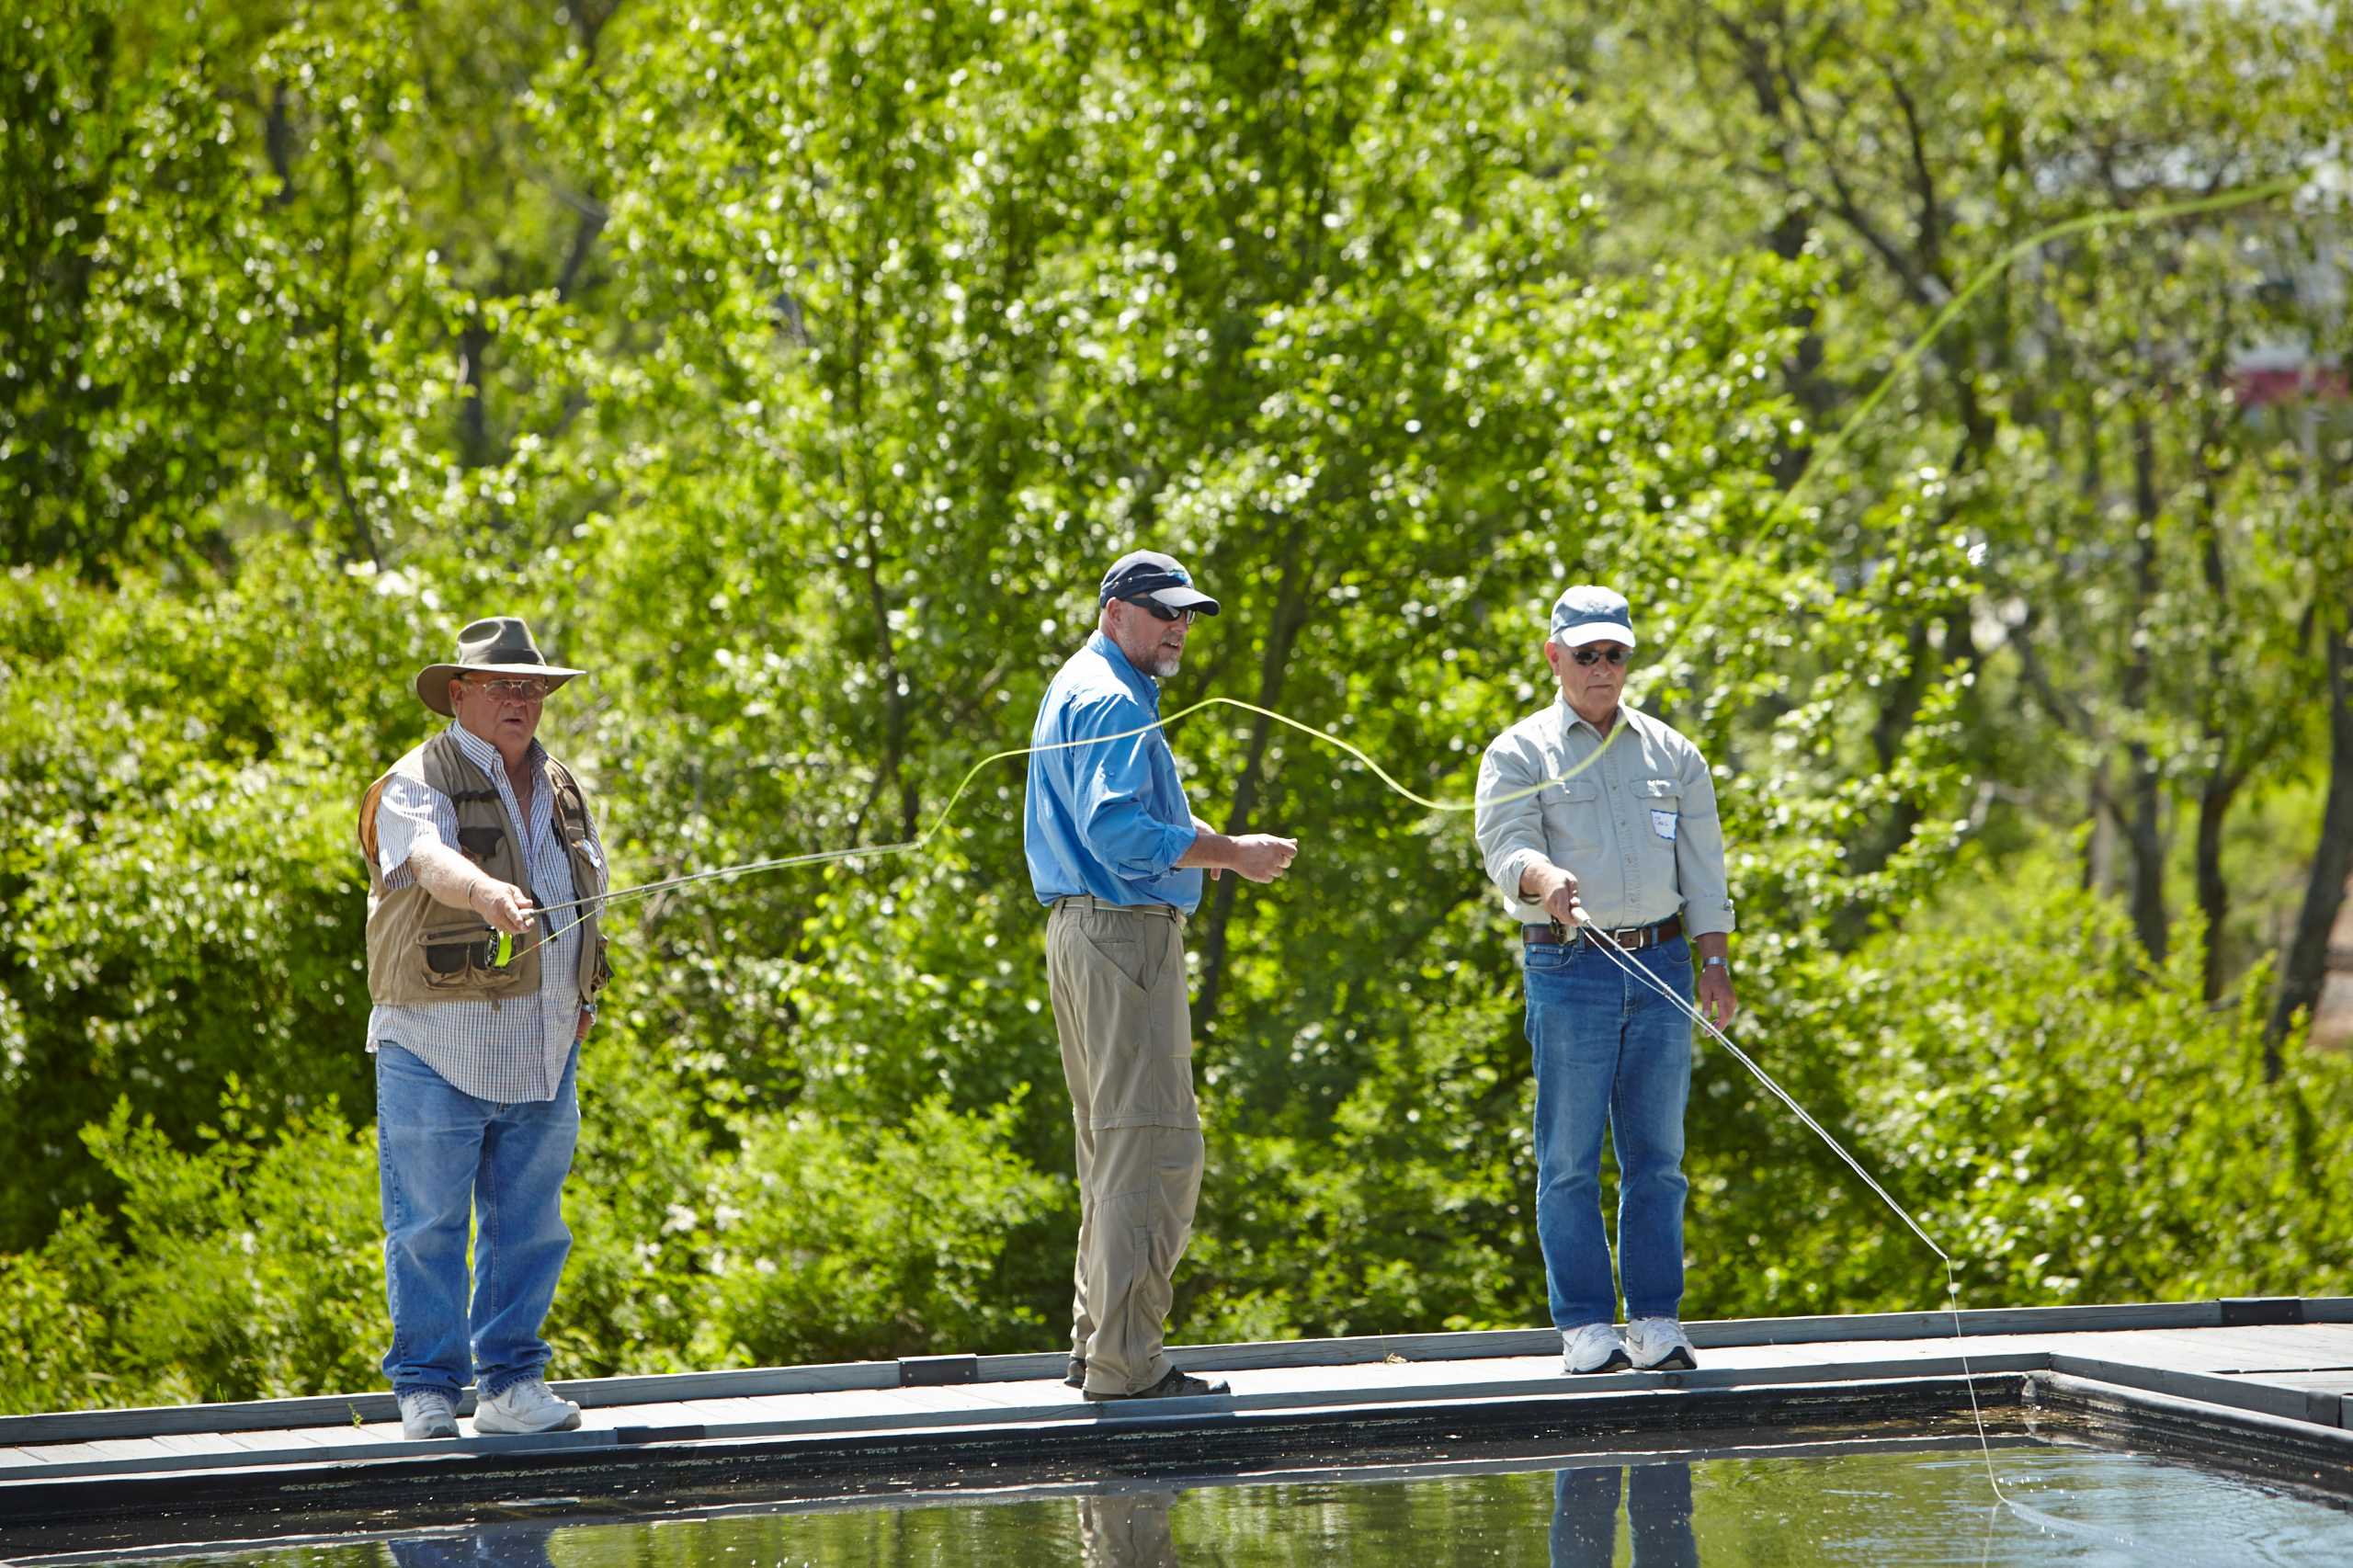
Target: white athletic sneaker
1659, 1345
527, 1406
1596, 1347
428, 1413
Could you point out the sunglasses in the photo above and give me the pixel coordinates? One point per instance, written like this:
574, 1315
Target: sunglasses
512, 691
1161, 612
1588, 655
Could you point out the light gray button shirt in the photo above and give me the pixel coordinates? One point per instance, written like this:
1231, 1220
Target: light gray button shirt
506, 1049
1638, 829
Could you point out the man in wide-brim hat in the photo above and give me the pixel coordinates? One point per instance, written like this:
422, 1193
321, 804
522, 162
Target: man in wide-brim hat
499, 646
485, 963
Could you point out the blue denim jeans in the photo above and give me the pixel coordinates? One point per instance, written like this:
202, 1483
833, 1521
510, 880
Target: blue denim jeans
445, 1157
1609, 1051
1658, 1513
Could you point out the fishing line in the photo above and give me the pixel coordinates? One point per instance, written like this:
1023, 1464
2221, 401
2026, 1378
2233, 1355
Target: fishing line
1782, 511
1785, 505
1602, 939
938, 823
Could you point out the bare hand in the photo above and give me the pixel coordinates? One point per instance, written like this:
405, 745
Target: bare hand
587, 1021
1261, 857
1717, 1004
1562, 904
503, 905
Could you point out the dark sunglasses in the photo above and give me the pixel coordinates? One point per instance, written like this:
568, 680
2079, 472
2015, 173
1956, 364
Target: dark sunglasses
1588, 655
1161, 612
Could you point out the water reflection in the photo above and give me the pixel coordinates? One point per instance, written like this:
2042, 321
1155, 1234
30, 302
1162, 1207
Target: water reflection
1658, 1510
1860, 1509
481, 1546
1126, 1529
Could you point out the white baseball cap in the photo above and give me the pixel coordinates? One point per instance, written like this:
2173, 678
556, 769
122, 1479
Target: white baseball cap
1590, 613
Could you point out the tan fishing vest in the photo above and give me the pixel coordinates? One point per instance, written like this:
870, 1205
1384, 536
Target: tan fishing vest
420, 949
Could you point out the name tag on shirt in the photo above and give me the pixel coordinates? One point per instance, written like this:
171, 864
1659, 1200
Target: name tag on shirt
1662, 823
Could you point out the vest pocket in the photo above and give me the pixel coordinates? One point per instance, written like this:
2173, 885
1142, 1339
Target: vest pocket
453, 959
479, 843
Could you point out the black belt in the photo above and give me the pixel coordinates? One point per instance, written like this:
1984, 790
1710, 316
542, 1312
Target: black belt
1634, 938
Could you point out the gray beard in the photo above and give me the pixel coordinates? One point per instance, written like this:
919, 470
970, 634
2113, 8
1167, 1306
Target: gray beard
1160, 666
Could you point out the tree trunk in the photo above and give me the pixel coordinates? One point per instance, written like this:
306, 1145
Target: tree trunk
474, 415
1793, 455
2213, 893
2222, 730
2142, 835
278, 144
1899, 709
2307, 964
1291, 615
2099, 844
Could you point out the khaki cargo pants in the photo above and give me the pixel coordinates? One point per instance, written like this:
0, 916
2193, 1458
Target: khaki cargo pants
1126, 1529
1117, 976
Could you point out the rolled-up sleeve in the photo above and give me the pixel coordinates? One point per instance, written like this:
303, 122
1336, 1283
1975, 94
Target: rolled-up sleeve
409, 814
1114, 780
1507, 820
1700, 851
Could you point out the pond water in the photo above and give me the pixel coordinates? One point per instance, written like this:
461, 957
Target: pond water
1899, 1509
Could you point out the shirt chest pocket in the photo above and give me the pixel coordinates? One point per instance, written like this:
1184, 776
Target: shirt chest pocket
1571, 814
1661, 808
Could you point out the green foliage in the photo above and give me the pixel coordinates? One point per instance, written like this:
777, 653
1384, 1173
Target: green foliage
827, 1244
245, 1268
184, 896
2068, 1124
56, 1353
797, 367
250, 1267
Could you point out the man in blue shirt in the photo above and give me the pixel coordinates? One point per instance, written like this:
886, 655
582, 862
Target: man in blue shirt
1117, 856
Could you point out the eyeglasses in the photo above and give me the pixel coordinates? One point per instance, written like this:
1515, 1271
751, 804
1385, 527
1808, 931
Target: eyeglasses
1161, 612
1588, 655
512, 691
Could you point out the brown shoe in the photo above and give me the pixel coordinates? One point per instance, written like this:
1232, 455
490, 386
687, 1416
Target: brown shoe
1175, 1385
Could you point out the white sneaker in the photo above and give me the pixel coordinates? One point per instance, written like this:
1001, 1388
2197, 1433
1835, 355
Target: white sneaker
1659, 1345
1596, 1347
428, 1413
527, 1406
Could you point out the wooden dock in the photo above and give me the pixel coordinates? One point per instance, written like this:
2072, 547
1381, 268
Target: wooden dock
2264, 1382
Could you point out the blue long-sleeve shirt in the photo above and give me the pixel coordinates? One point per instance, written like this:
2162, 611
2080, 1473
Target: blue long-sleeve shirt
1107, 818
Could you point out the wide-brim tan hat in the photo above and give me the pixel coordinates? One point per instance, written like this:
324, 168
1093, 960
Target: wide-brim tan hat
499, 645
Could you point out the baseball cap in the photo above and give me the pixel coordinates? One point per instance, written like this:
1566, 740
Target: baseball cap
1148, 575
1590, 613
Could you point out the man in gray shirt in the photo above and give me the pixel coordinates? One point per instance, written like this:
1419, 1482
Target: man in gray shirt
1596, 818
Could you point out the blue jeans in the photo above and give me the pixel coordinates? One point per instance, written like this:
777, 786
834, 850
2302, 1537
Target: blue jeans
1658, 1513
445, 1157
1609, 1051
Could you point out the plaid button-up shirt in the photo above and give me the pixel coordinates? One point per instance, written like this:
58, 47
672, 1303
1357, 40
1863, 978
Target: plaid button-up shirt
504, 1049
1638, 829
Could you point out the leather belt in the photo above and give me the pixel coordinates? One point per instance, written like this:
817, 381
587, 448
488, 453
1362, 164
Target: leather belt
1088, 900
1634, 938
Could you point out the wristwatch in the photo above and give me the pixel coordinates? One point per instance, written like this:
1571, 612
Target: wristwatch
1721, 964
